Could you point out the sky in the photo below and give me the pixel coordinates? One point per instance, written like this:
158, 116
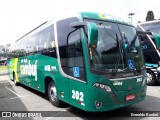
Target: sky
18, 17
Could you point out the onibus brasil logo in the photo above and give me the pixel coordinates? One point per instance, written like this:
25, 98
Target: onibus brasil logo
28, 69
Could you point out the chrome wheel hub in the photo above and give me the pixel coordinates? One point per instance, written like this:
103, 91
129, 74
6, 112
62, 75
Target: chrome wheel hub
149, 77
53, 93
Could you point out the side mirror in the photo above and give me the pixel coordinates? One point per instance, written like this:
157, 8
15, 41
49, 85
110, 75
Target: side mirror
144, 33
92, 31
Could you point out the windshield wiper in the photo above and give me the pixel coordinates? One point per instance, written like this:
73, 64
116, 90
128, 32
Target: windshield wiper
114, 71
127, 45
138, 67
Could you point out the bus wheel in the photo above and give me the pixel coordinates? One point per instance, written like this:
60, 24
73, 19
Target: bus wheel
150, 78
52, 95
14, 80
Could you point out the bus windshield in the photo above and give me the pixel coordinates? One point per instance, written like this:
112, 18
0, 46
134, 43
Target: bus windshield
153, 27
118, 49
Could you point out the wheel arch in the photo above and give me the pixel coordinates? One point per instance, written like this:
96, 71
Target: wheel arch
47, 80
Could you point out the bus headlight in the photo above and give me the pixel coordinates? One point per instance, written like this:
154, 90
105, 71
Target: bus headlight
103, 87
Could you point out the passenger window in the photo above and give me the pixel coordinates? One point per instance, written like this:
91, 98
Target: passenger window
46, 39
30, 45
144, 38
24, 47
42, 40
35, 43
47, 42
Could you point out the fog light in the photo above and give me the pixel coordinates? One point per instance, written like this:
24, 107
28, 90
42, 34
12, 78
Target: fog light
98, 104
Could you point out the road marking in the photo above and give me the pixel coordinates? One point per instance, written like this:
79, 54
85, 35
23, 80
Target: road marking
55, 115
19, 96
48, 118
58, 113
65, 109
13, 92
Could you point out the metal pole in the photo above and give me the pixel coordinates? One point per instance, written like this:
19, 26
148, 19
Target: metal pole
130, 16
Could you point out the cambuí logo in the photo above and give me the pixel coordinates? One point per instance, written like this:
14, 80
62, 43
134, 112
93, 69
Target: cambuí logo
28, 68
110, 17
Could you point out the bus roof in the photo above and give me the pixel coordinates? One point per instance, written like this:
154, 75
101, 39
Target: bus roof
91, 15
33, 30
101, 16
152, 26
149, 22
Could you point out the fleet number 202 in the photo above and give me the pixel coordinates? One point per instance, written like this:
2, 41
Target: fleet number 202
77, 95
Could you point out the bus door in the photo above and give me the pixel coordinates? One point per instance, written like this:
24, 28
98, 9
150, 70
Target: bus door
76, 69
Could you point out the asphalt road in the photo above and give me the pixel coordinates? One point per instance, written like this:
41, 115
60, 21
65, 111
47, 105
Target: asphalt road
23, 99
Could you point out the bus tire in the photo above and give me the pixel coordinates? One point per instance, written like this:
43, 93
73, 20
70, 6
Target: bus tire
52, 95
14, 80
151, 79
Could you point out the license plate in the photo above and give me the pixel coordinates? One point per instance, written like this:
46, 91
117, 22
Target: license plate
130, 97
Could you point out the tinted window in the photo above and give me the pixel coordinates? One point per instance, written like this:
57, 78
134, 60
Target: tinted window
63, 30
153, 27
75, 56
30, 44
108, 51
47, 42
71, 54
148, 59
43, 39
24, 47
146, 43
42, 42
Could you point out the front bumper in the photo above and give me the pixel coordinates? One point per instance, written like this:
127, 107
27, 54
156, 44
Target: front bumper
114, 100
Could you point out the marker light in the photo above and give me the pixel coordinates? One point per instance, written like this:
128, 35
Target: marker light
93, 46
103, 87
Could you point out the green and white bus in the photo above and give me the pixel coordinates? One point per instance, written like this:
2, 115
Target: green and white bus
92, 61
151, 49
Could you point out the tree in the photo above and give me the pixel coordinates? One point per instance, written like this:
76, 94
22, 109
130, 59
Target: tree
4, 49
139, 21
1, 48
8, 45
150, 16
